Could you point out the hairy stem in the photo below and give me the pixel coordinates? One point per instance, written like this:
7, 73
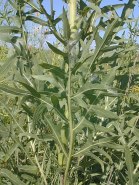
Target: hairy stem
71, 136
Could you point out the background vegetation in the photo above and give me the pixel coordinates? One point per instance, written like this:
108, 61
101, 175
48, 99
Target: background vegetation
69, 114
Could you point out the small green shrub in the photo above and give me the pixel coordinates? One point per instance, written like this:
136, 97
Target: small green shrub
72, 111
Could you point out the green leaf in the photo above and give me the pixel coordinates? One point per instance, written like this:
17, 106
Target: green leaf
7, 64
12, 149
131, 123
136, 132
4, 131
30, 169
96, 158
115, 146
48, 167
8, 38
109, 8
36, 20
38, 113
14, 5
128, 8
57, 107
31, 90
85, 54
51, 79
10, 29
12, 90
109, 77
130, 166
110, 48
54, 70
89, 86
44, 78
90, 144
28, 178
81, 102
13, 178
95, 127
55, 50
56, 133
66, 26
109, 30
103, 113
27, 110
96, 8
102, 152
33, 5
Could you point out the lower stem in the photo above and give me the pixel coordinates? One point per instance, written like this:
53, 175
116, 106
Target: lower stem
71, 142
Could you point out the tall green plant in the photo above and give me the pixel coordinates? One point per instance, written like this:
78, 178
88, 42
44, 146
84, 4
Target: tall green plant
77, 126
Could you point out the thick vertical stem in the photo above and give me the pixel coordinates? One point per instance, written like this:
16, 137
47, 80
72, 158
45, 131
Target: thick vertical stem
72, 18
72, 12
71, 134
52, 9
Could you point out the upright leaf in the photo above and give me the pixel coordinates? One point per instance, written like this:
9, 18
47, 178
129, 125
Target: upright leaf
66, 26
130, 166
104, 40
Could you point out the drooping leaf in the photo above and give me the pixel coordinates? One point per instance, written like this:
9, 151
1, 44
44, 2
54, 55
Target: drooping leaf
89, 86
28, 169
33, 5
80, 101
56, 133
12, 90
31, 89
10, 29
36, 20
7, 64
104, 153
12, 149
97, 159
4, 131
103, 113
54, 70
56, 50
57, 107
109, 77
8, 38
89, 145
13, 4
84, 123
12, 177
